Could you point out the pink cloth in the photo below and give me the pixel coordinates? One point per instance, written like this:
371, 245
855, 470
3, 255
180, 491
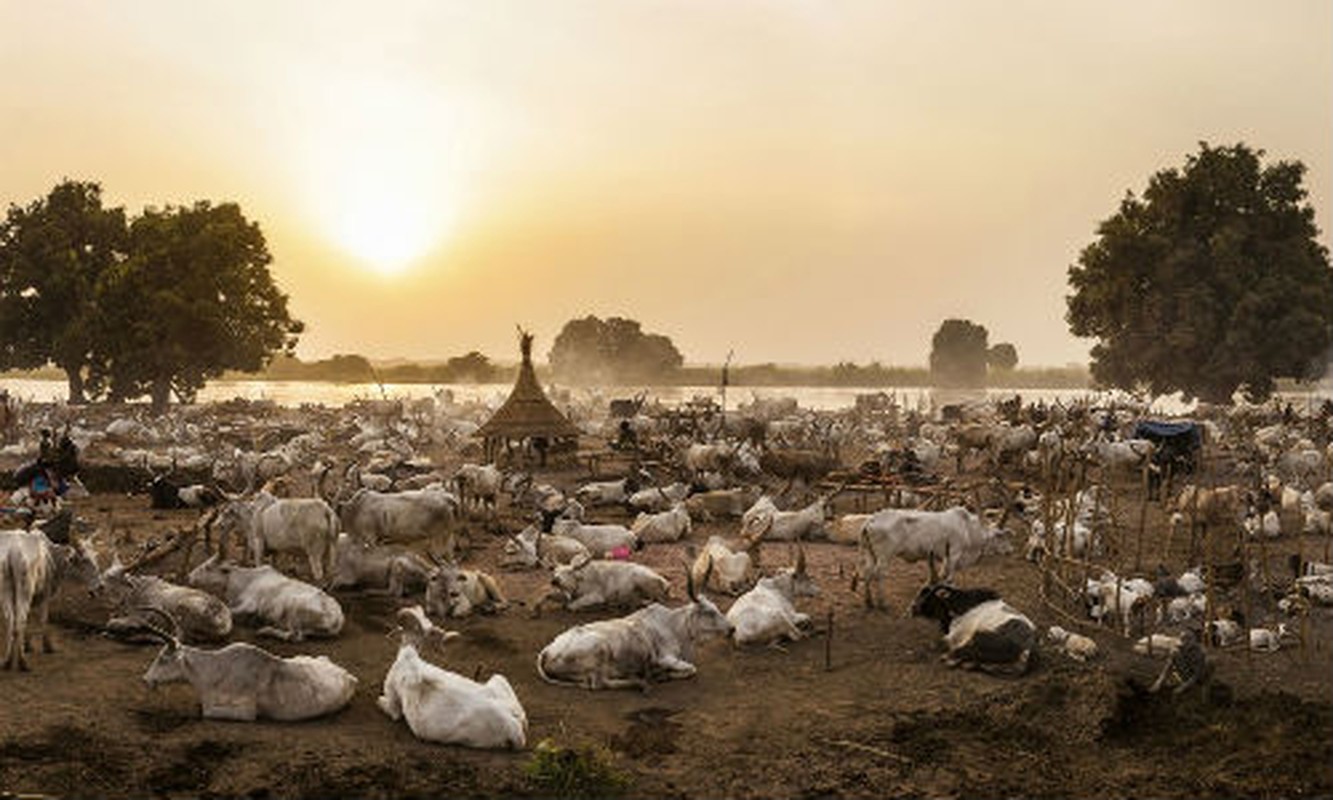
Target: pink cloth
618, 553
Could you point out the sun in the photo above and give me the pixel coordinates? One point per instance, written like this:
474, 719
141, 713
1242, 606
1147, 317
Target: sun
381, 176
387, 222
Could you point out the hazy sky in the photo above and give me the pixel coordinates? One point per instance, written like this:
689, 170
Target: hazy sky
802, 181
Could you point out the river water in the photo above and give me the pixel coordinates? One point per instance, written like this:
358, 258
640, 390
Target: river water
296, 393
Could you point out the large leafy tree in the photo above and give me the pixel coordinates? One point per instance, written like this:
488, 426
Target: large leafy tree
614, 350
958, 354
1211, 282
193, 299
53, 253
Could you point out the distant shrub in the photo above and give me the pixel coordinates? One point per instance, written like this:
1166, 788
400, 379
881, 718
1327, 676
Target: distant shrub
584, 771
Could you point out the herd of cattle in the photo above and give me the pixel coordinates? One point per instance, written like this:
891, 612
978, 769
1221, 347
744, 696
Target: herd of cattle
360, 498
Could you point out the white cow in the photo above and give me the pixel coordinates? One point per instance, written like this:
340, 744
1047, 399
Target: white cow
422, 514
768, 612
455, 592
392, 568
244, 682
652, 644
304, 525
589, 583
531, 549
599, 539
720, 568
664, 526
293, 609
659, 498
956, 537
764, 519
443, 706
31, 570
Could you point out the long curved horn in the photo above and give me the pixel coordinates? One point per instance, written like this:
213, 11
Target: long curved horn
690, 588
800, 560
172, 637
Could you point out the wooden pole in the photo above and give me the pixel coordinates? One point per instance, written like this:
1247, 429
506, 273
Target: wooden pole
828, 643
1143, 522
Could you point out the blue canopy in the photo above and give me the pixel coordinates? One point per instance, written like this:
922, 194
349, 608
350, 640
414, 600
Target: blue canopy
1158, 430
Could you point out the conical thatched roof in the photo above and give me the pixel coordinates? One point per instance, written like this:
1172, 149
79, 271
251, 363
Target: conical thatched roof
527, 412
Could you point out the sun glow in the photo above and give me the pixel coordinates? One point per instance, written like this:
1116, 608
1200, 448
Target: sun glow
382, 180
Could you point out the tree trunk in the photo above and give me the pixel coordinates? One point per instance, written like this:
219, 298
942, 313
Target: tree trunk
160, 394
75, 378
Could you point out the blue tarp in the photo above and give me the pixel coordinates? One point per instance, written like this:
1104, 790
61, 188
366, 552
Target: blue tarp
1156, 429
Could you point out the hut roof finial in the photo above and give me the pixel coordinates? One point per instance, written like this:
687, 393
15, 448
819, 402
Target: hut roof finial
525, 344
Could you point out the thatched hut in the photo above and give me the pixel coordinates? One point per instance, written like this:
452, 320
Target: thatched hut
528, 419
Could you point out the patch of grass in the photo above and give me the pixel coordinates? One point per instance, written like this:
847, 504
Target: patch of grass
583, 771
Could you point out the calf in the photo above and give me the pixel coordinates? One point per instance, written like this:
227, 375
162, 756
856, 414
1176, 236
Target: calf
982, 633
1074, 645
443, 706
767, 612
292, 609
244, 682
652, 644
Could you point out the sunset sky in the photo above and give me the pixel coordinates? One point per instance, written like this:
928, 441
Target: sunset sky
802, 181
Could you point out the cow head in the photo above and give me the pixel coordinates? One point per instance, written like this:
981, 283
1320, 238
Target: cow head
417, 631
566, 578
169, 665
212, 576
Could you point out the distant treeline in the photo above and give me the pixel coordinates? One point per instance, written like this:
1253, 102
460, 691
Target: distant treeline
475, 368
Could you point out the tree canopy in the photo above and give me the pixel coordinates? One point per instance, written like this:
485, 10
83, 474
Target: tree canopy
1213, 281
613, 351
53, 253
960, 354
156, 307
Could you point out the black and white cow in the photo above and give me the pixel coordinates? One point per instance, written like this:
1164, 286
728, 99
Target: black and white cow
980, 630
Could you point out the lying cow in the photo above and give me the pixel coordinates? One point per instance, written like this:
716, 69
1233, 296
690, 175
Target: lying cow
599, 539
719, 568
956, 536
244, 682
766, 520
664, 526
391, 568
659, 498
981, 630
531, 549
587, 583
293, 609
768, 612
443, 706
455, 592
200, 616
719, 504
652, 644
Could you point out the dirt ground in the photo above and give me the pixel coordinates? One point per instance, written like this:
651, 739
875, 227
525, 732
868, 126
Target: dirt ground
869, 712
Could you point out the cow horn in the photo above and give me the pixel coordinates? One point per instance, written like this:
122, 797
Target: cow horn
172, 637
689, 580
800, 560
